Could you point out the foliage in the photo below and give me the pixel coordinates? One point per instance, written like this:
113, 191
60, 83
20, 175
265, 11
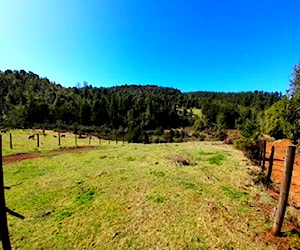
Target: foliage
291, 125
250, 129
283, 118
274, 119
294, 89
31, 101
249, 141
249, 146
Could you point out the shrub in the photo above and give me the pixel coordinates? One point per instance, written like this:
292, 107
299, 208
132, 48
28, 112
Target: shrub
249, 146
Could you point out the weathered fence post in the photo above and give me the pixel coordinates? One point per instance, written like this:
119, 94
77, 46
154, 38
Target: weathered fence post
99, 141
284, 189
3, 219
58, 138
89, 140
116, 140
260, 152
271, 159
10, 141
108, 141
38, 140
264, 155
123, 140
75, 140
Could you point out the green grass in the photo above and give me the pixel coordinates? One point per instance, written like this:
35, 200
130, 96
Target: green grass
216, 159
118, 197
21, 143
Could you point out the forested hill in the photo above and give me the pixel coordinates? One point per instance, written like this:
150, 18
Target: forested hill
28, 100
259, 98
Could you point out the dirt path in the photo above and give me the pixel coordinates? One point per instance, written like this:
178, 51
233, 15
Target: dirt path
25, 156
280, 148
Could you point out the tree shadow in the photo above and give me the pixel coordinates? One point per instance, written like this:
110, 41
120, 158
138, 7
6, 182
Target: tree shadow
13, 213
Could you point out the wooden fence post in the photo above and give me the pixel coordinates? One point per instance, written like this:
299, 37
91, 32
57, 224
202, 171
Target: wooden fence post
38, 140
260, 152
264, 155
89, 140
116, 140
75, 140
58, 138
284, 189
10, 141
108, 141
3, 218
99, 141
271, 159
123, 140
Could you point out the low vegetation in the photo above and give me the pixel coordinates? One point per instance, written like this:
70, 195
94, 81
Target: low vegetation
135, 196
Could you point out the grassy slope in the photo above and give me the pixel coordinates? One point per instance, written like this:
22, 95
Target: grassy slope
134, 196
22, 144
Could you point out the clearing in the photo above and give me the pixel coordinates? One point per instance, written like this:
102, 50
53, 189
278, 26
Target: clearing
195, 195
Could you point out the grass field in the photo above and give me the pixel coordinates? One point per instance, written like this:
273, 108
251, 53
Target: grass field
137, 197
21, 143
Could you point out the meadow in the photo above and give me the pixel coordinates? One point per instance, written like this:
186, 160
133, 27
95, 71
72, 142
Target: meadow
137, 196
48, 142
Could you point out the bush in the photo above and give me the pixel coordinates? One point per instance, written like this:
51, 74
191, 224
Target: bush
250, 147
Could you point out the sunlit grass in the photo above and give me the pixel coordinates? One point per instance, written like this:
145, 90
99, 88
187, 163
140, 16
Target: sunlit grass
49, 142
136, 197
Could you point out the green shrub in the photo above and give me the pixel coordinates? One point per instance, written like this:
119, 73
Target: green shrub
249, 146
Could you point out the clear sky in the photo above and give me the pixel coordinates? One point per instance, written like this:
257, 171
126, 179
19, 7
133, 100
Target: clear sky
214, 45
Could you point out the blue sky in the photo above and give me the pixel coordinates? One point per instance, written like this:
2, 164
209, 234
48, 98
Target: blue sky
214, 45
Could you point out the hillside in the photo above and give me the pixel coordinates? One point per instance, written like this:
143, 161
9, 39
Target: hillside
29, 100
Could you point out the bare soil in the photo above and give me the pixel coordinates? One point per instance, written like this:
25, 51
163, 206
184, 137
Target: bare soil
25, 156
279, 156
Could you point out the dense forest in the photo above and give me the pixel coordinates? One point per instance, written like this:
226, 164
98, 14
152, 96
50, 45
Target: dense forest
28, 100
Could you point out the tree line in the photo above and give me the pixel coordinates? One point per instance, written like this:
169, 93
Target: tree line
28, 100
282, 119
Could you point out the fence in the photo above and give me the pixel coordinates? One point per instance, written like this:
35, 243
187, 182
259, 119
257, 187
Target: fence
261, 159
4, 233
285, 182
17, 143
3, 219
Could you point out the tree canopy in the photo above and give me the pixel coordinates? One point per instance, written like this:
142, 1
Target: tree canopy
29, 100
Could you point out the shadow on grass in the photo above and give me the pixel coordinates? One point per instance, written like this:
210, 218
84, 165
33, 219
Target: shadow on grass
291, 233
